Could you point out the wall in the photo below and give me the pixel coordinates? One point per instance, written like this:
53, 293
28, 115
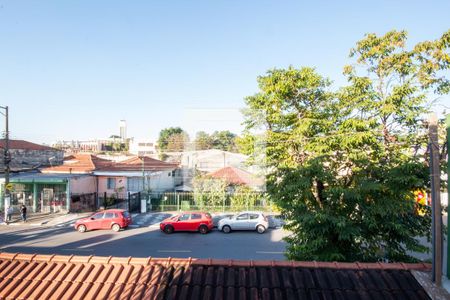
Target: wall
27, 159
121, 185
83, 185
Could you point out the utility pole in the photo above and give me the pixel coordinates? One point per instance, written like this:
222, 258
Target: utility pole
435, 175
6, 161
447, 122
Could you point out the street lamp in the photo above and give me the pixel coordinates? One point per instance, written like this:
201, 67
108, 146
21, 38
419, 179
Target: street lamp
6, 160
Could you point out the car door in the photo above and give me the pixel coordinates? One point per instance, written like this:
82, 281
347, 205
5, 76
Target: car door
253, 219
107, 220
241, 222
183, 222
195, 221
95, 221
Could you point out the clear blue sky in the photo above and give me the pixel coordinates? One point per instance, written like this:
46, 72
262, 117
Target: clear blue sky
73, 69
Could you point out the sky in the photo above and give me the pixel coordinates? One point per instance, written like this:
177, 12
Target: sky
71, 70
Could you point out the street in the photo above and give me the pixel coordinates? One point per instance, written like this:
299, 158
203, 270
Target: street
144, 242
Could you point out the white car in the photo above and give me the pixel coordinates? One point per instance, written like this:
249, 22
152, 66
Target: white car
246, 220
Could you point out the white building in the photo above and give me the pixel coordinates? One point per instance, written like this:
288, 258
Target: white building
142, 148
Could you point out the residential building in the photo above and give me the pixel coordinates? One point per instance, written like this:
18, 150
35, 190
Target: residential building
142, 148
136, 174
27, 156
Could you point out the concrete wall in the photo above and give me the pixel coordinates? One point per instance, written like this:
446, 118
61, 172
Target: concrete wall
26, 159
121, 185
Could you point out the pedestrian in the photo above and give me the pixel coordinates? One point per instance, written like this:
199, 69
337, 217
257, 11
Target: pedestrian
23, 212
9, 213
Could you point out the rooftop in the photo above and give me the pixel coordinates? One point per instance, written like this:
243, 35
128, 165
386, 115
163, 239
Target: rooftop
26, 276
24, 145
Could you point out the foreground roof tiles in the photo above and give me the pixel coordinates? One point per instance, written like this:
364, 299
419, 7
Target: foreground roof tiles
24, 276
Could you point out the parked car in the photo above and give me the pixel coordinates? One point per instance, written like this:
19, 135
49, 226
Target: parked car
188, 221
246, 220
114, 219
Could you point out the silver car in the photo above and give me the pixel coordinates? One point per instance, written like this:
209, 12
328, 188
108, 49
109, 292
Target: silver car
246, 220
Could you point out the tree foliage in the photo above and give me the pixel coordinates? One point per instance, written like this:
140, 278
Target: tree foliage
222, 140
172, 139
344, 164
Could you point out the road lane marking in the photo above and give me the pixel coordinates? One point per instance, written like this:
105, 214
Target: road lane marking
269, 252
77, 249
175, 251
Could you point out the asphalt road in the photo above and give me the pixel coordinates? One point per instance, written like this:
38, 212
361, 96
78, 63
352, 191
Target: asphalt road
144, 242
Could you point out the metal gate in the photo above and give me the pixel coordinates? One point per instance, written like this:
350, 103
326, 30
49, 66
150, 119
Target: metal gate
134, 202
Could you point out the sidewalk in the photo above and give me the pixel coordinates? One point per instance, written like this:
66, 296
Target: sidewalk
48, 219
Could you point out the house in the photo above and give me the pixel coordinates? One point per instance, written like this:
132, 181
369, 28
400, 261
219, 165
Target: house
136, 174
35, 276
238, 177
24, 157
203, 161
27, 156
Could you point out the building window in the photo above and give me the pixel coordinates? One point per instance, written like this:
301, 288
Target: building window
111, 183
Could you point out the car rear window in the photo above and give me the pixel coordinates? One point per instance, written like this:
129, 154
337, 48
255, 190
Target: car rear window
254, 216
196, 216
208, 215
126, 214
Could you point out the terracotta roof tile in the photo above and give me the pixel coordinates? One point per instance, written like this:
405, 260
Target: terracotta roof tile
86, 277
136, 164
79, 163
24, 145
235, 176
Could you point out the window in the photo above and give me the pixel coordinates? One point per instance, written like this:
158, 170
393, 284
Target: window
196, 216
242, 217
169, 174
98, 216
254, 216
184, 217
109, 215
111, 183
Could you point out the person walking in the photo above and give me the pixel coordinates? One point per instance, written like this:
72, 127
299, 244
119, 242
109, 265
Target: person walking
23, 212
9, 213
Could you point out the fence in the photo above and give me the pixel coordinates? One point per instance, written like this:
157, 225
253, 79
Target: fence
189, 201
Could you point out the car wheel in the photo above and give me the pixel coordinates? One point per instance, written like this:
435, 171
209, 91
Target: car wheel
261, 229
226, 229
115, 227
168, 229
203, 229
81, 228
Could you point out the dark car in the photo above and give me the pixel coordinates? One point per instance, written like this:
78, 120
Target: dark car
114, 219
188, 221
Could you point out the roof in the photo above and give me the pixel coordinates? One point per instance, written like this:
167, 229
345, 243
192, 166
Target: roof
78, 163
27, 276
33, 177
136, 164
24, 145
235, 176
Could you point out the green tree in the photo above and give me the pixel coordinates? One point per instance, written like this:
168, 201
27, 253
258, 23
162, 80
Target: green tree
203, 141
165, 134
224, 140
345, 164
177, 142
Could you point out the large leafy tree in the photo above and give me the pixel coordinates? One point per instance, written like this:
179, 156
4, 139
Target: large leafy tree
222, 140
344, 165
176, 136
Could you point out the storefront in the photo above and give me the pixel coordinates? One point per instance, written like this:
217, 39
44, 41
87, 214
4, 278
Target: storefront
48, 193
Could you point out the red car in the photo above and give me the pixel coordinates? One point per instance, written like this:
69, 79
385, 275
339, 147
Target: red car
188, 221
114, 219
